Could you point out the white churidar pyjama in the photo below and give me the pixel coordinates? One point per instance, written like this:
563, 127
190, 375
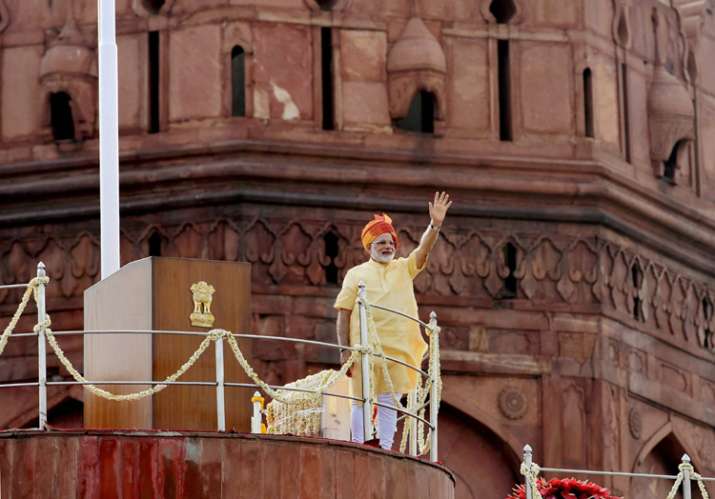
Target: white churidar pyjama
386, 422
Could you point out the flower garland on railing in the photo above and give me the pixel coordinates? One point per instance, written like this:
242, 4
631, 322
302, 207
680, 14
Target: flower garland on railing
276, 393
683, 467
423, 385
31, 286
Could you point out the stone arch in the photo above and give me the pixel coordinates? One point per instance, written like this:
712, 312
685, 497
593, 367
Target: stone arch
146, 8
502, 11
327, 5
479, 458
489, 422
660, 454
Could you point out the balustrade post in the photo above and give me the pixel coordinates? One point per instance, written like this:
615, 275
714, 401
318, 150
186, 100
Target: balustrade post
41, 348
365, 364
527, 465
220, 399
687, 485
434, 392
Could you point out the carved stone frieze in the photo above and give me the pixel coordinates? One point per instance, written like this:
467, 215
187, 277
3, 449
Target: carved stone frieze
542, 269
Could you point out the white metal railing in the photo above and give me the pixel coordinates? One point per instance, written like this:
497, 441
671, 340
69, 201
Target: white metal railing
41, 329
682, 481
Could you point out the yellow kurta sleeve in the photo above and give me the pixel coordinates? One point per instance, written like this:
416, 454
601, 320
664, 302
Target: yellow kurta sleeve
412, 268
348, 293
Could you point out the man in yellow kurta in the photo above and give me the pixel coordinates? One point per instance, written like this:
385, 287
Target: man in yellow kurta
388, 283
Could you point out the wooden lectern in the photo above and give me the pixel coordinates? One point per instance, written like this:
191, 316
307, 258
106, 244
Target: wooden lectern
155, 293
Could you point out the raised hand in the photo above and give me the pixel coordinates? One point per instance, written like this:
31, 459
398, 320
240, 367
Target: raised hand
438, 208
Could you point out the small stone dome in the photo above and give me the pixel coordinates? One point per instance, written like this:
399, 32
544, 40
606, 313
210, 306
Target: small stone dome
68, 54
668, 96
417, 49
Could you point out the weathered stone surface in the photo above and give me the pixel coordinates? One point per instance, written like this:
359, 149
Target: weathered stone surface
544, 87
194, 71
23, 102
469, 93
363, 55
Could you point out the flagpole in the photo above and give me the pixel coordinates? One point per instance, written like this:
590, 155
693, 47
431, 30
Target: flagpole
108, 139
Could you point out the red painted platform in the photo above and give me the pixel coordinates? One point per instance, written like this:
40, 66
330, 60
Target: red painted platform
153, 465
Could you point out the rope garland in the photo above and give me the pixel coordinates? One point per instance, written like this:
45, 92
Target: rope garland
276, 394
373, 350
213, 335
31, 287
531, 474
683, 467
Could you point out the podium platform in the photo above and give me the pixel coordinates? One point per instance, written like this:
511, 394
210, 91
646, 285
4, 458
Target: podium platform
156, 294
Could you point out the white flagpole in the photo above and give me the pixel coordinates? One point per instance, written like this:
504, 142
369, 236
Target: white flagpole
108, 139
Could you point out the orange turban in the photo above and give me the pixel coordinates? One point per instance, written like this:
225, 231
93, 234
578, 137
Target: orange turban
379, 225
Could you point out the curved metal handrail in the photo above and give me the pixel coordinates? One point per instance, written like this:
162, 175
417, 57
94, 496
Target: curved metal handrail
219, 383
397, 312
14, 286
237, 335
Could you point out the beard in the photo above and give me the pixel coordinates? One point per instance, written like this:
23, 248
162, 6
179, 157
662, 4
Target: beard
381, 258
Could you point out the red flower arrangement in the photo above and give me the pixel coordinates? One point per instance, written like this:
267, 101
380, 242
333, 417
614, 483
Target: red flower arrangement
565, 488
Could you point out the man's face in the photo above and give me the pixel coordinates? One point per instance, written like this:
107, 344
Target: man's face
382, 249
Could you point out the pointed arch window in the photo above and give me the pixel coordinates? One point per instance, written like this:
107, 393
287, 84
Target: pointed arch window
61, 117
421, 114
238, 81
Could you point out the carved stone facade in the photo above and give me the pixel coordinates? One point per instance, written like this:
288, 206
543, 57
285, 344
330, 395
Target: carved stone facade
573, 279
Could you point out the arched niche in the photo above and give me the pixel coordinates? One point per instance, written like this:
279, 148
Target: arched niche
146, 8
480, 460
661, 454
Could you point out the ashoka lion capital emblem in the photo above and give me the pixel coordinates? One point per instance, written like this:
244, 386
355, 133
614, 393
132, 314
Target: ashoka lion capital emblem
203, 294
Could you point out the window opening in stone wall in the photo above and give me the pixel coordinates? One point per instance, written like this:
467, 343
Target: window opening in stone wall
626, 113
637, 282
154, 83
330, 239
326, 4
421, 114
505, 131
707, 316
502, 10
588, 102
153, 6
61, 119
238, 81
510, 282
155, 244
326, 51
670, 165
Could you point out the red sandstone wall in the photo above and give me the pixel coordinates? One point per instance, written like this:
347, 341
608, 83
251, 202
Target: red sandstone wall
163, 466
